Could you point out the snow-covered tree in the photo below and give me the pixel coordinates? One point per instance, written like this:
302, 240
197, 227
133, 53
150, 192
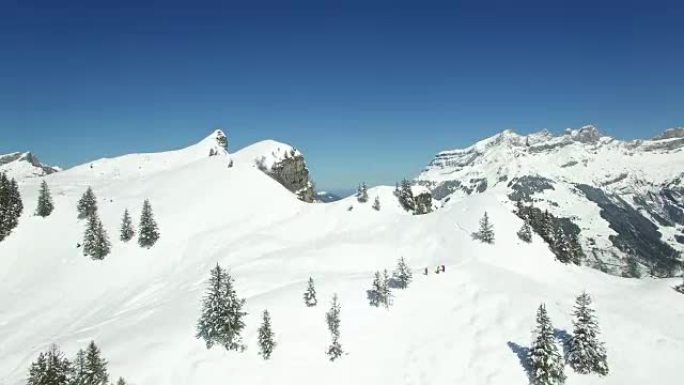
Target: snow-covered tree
126, 232
148, 230
546, 227
266, 338
332, 318
362, 193
402, 275
587, 354
310, 294
525, 232
545, 360
575, 251
385, 290
560, 245
95, 368
11, 205
221, 321
376, 204
405, 197
45, 204
95, 240
121, 381
375, 292
485, 233
50, 368
87, 205
79, 369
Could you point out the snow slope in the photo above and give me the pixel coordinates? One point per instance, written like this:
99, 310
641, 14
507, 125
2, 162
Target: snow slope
20, 165
466, 326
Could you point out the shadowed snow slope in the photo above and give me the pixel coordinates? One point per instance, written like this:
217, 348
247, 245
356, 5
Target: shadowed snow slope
461, 327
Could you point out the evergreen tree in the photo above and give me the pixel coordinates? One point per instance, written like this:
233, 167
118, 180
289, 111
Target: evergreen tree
397, 191
121, 381
310, 294
50, 368
266, 338
546, 227
545, 360
560, 245
87, 205
575, 252
45, 205
385, 290
149, 233
525, 232
587, 354
332, 318
406, 198
11, 205
402, 274
95, 240
376, 204
79, 369
375, 293
221, 320
362, 193
486, 232
127, 232
95, 368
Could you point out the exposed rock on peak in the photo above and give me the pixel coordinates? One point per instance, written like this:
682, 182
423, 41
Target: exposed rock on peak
24, 165
671, 133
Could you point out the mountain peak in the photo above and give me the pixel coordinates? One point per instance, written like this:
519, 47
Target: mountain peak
671, 133
23, 165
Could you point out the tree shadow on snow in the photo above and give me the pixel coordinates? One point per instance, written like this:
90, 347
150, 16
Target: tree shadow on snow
522, 352
564, 338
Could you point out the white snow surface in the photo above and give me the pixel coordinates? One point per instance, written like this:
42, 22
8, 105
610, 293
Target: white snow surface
21, 165
465, 326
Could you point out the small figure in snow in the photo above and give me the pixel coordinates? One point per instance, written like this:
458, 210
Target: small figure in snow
443, 269
426, 271
438, 270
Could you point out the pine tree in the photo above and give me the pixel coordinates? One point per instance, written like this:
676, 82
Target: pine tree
221, 319
375, 292
575, 252
45, 205
266, 338
545, 360
362, 193
50, 368
95, 368
402, 274
546, 227
310, 294
376, 204
126, 232
406, 198
121, 381
87, 205
525, 232
587, 354
95, 240
332, 318
560, 245
148, 231
486, 232
11, 205
385, 290
79, 369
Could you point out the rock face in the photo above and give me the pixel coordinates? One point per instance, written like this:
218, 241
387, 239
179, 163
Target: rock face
283, 163
625, 197
21, 165
292, 173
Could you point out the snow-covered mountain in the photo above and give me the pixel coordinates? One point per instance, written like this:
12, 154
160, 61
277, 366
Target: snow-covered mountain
626, 197
21, 165
469, 325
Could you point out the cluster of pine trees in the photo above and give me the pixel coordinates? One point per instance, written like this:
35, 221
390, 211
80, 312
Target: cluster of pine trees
96, 242
11, 205
404, 193
221, 321
53, 368
586, 353
566, 247
362, 193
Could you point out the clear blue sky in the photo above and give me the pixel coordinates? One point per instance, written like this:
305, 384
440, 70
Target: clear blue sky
368, 90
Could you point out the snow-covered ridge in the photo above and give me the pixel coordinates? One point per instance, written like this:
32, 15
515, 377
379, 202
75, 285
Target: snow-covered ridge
20, 165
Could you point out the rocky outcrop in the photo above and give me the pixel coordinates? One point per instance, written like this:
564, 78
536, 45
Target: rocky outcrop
291, 172
24, 164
